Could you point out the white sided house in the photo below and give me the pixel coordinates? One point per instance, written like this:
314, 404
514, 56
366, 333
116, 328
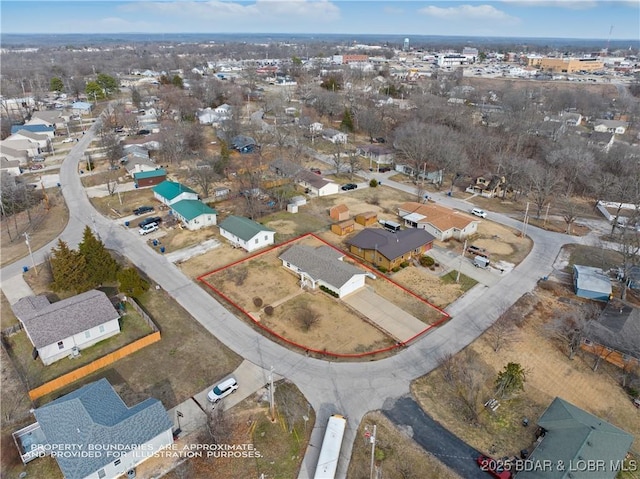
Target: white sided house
170, 192
323, 266
194, 214
60, 329
442, 222
246, 234
95, 418
316, 185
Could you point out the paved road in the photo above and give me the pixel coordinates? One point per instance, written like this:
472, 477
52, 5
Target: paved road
352, 389
434, 438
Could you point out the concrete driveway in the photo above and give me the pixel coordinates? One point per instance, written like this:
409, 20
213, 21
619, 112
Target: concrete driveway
386, 315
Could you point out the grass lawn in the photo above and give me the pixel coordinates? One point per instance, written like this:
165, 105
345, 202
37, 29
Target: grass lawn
132, 327
592, 256
466, 283
111, 207
397, 456
7, 318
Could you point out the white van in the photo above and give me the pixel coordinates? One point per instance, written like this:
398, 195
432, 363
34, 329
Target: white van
481, 262
148, 228
479, 212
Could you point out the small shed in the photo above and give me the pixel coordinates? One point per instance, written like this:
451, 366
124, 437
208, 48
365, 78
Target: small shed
344, 227
339, 212
298, 201
367, 219
144, 179
591, 283
221, 192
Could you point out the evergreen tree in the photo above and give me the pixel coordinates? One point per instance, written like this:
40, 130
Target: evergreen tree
347, 121
511, 379
131, 283
108, 84
101, 267
56, 84
177, 81
69, 269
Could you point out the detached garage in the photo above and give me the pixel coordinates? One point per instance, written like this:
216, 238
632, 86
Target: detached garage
591, 283
149, 178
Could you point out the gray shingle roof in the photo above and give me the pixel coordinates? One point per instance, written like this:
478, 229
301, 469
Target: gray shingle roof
576, 435
313, 179
49, 323
321, 263
391, 245
96, 415
618, 327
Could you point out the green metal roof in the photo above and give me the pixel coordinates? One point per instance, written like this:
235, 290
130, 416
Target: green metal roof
190, 209
149, 174
243, 228
169, 189
576, 436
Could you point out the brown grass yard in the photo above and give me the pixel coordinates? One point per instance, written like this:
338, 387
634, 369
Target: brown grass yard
46, 226
550, 373
397, 455
130, 200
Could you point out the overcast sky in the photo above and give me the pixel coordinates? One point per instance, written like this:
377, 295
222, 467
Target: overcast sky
598, 19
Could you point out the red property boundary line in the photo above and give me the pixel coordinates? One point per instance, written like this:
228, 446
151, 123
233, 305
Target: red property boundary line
401, 344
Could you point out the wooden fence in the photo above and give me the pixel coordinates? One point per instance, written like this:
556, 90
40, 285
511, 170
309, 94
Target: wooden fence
93, 366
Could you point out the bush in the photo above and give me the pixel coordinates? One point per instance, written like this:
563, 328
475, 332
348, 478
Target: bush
427, 261
373, 183
382, 269
268, 310
404, 264
257, 302
396, 269
328, 291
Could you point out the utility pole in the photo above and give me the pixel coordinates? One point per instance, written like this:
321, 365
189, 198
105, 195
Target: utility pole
546, 215
464, 248
373, 450
33, 261
271, 395
526, 217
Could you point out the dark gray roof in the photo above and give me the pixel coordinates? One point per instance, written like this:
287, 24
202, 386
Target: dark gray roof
575, 435
286, 167
96, 415
391, 245
321, 263
618, 327
48, 323
313, 179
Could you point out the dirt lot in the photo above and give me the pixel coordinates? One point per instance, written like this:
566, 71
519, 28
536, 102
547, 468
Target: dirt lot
397, 455
46, 226
549, 374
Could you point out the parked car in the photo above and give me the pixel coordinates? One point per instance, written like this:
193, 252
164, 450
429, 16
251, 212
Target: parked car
384, 169
140, 210
349, 186
38, 159
151, 219
67, 140
144, 132
477, 251
36, 167
494, 467
222, 390
148, 228
317, 171
479, 212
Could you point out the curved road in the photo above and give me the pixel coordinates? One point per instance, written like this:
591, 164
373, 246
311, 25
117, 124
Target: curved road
352, 389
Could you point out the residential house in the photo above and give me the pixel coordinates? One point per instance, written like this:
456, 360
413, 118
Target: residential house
246, 234
170, 192
611, 126
615, 335
244, 144
442, 222
488, 186
569, 435
334, 136
591, 283
344, 227
59, 329
633, 277
13, 154
603, 140
144, 179
368, 218
94, 419
42, 140
194, 214
214, 117
37, 129
434, 176
316, 185
378, 155
285, 168
11, 167
323, 266
137, 159
81, 108
339, 212
566, 117
29, 147
388, 249
224, 110
53, 118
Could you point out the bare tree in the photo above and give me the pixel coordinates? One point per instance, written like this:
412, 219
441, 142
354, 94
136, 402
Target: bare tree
307, 316
355, 165
570, 212
543, 182
503, 332
204, 175
570, 326
219, 427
